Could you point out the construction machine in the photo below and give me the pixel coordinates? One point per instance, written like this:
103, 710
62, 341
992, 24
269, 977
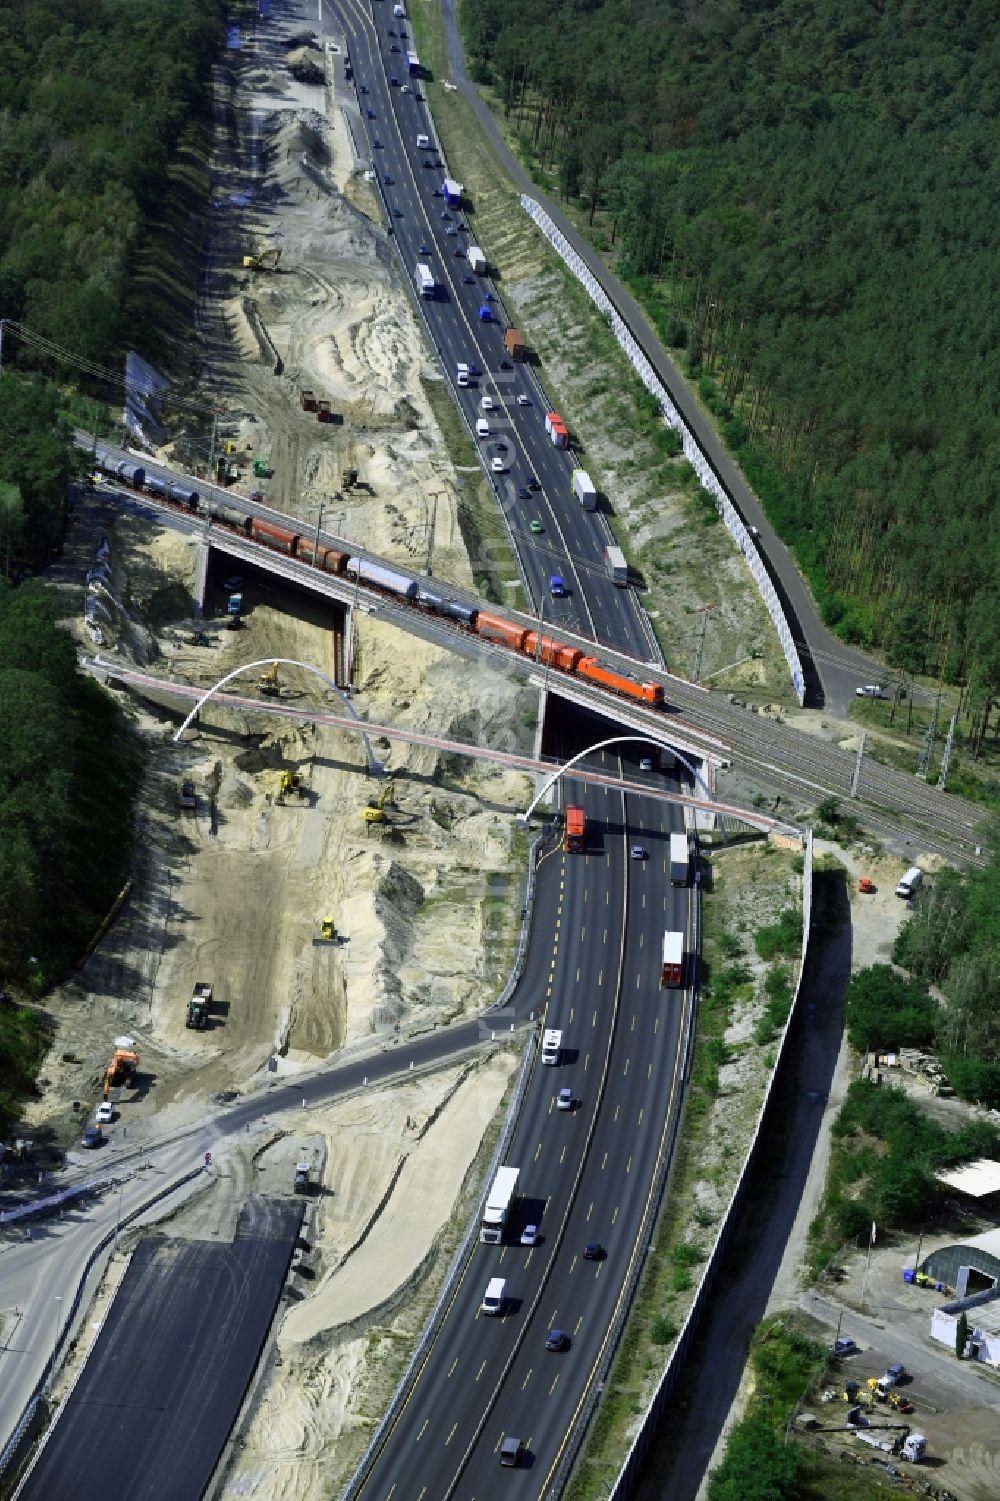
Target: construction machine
291, 781
264, 260
327, 934
260, 469
199, 1006
123, 1065
374, 812
186, 797
268, 681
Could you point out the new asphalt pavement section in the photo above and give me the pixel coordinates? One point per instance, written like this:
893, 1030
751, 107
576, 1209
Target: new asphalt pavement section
43, 1260
153, 1407
840, 668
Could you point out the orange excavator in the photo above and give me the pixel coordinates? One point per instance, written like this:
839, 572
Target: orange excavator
123, 1066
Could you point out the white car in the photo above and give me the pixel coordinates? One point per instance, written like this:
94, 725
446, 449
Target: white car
105, 1114
564, 1099
498, 466
524, 401
486, 403
529, 1235
645, 764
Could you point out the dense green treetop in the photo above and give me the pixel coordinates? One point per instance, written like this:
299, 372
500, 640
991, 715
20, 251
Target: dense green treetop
93, 97
804, 193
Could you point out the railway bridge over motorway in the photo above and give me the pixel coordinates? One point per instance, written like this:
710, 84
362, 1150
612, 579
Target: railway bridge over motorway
803, 768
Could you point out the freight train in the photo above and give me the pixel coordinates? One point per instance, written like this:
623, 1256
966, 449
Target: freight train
486, 624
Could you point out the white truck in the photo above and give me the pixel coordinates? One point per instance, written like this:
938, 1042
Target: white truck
498, 1205
614, 562
425, 280
586, 494
672, 973
678, 860
551, 1046
495, 1296
477, 259
910, 882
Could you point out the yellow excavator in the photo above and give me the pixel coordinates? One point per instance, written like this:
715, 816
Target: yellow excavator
268, 681
291, 781
374, 812
264, 260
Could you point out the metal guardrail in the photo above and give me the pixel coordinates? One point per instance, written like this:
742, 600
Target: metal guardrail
693, 451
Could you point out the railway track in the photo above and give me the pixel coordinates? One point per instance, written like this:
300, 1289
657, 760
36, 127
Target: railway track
781, 757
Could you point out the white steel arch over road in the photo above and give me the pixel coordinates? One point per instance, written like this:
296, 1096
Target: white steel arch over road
374, 764
171, 688
561, 771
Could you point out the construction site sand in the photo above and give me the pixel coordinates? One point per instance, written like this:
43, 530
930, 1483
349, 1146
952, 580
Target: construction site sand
419, 1140
233, 894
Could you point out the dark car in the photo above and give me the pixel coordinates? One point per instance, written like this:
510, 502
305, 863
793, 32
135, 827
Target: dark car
425, 250
445, 216
394, 81
377, 144
533, 482
93, 1137
362, 88
470, 281
387, 179
437, 192
506, 365
555, 1340
593, 1251
523, 493
428, 164
397, 213
458, 250
371, 114
391, 31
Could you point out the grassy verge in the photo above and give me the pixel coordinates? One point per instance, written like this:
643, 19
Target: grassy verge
493, 565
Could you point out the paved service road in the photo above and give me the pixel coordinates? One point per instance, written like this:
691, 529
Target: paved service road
162, 1387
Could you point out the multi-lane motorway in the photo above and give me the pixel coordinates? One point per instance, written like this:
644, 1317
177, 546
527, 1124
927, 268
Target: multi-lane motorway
571, 543
585, 1174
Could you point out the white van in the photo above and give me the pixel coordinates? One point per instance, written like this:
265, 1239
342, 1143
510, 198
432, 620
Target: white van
423, 142
493, 1298
482, 428
869, 690
910, 882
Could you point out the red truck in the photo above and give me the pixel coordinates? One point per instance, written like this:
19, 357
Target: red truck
575, 836
673, 960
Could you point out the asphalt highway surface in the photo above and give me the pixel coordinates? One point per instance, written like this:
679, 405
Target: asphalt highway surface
393, 112
164, 1383
594, 963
